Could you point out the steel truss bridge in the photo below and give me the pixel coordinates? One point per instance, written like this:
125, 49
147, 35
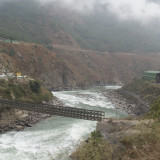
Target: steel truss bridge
58, 110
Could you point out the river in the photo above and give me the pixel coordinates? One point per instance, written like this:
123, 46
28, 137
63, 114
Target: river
56, 137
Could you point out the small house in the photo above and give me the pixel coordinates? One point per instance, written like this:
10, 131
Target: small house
10, 74
18, 74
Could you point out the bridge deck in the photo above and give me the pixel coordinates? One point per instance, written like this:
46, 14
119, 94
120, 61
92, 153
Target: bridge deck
55, 110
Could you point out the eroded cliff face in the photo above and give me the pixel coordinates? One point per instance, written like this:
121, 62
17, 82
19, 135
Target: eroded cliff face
73, 67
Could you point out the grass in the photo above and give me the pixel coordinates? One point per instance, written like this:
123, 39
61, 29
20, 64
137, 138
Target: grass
155, 110
145, 89
143, 145
95, 149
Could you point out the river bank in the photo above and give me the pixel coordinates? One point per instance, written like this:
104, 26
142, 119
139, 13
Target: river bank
25, 118
135, 137
28, 119
134, 107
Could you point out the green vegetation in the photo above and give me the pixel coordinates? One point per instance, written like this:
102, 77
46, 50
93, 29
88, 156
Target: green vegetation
155, 110
141, 142
144, 144
26, 91
35, 86
23, 21
95, 149
147, 90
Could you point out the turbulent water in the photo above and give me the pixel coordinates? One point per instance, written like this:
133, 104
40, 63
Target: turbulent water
56, 137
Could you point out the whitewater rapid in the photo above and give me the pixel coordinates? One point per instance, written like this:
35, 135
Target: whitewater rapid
56, 137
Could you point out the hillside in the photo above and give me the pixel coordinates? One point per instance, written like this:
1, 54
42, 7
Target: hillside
37, 62
24, 90
121, 139
53, 23
61, 68
105, 68
145, 94
147, 90
30, 22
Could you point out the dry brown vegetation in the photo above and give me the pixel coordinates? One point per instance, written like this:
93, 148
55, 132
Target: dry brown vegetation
102, 67
142, 145
61, 67
37, 62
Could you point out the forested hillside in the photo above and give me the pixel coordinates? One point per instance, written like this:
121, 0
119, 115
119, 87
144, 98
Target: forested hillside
51, 24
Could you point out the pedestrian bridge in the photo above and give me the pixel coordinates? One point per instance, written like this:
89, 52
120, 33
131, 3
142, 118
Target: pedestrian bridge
54, 110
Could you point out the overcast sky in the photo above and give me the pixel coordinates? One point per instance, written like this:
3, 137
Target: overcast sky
141, 10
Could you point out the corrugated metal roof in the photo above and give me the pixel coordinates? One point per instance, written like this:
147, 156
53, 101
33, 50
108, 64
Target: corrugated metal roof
153, 72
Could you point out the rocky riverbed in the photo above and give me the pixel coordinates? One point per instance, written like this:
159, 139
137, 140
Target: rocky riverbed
133, 106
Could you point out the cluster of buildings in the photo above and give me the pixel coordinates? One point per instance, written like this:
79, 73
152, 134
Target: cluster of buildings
8, 40
4, 73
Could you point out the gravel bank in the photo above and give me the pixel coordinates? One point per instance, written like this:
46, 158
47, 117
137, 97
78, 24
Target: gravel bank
136, 107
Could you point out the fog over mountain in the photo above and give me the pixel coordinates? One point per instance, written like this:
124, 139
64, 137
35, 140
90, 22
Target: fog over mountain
141, 10
104, 25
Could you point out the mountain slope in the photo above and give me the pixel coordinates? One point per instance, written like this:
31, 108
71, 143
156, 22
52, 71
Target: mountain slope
71, 68
53, 23
37, 62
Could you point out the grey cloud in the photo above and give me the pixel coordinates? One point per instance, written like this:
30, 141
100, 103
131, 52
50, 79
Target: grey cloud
141, 10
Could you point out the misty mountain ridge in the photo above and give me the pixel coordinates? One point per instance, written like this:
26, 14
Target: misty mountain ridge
52, 23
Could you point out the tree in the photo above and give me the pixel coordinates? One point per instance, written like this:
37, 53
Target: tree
35, 86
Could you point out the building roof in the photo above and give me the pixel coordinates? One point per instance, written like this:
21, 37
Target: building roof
153, 72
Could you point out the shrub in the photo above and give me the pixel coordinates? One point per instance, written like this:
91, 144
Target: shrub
143, 145
94, 149
155, 110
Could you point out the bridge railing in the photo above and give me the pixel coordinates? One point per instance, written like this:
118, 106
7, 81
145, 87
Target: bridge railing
55, 110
